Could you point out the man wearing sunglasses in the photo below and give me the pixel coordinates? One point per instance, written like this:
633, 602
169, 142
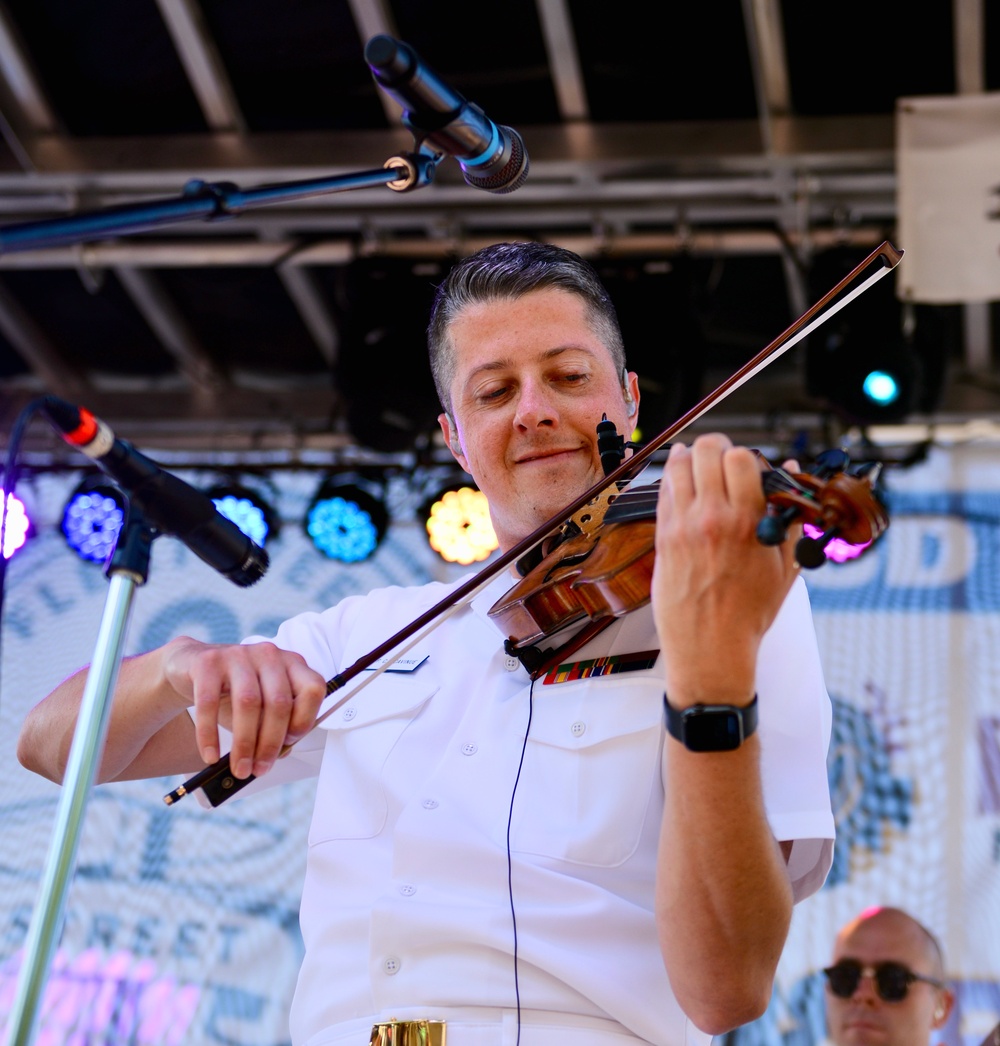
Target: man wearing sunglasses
886, 984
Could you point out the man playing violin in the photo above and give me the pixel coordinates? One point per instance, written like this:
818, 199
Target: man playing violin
886, 984
603, 854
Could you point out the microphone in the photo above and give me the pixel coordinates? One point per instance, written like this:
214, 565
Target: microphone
170, 505
491, 157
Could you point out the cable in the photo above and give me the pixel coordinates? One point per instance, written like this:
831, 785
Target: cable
510, 870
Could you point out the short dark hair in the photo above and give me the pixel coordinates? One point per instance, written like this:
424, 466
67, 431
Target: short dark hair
503, 272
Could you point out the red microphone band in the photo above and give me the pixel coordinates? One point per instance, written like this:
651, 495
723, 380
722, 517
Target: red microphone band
85, 432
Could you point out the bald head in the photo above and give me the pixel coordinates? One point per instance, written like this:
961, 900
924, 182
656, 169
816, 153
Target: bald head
893, 924
863, 1018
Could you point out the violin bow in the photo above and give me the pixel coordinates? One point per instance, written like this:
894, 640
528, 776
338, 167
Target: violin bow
218, 781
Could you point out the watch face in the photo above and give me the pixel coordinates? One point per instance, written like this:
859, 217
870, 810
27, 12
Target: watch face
715, 730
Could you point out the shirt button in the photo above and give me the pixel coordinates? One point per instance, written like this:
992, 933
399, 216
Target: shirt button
407, 889
578, 729
511, 663
350, 713
469, 748
430, 804
391, 965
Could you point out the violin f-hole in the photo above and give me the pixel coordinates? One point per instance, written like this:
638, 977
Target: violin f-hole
570, 561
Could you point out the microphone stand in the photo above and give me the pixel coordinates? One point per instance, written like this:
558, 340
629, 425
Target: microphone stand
127, 568
129, 564
212, 201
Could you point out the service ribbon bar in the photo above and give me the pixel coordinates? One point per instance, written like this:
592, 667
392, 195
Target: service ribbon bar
601, 666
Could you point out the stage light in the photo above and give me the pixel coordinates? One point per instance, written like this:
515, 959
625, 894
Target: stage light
247, 509
93, 517
879, 359
14, 522
868, 377
837, 550
458, 524
347, 518
881, 387
399, 410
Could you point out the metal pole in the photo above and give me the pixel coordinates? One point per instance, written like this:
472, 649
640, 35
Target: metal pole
81, 768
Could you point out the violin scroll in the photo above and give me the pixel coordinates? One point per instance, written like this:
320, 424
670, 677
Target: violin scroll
839, 502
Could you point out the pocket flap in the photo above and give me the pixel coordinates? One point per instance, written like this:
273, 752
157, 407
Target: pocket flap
578, 715
383, 697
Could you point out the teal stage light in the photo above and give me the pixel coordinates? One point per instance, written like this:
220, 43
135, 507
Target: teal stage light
347, 518
881, 387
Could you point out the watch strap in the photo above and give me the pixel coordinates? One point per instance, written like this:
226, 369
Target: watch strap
711, 728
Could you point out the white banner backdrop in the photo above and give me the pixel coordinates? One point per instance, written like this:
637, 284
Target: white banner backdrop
181, 924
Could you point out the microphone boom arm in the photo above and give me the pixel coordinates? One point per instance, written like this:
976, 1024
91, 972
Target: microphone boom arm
500, 168
210, 201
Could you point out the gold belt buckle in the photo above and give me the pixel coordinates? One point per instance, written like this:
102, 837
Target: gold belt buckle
408, 1033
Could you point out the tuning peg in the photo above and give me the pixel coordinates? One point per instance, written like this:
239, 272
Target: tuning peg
811, 552
773, 529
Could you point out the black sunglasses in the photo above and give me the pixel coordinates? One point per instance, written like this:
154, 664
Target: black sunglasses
892, 979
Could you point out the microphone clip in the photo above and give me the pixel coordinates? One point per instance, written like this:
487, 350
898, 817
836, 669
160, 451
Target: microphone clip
413, 170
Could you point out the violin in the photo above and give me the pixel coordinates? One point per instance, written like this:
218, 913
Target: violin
840, 508
605, 570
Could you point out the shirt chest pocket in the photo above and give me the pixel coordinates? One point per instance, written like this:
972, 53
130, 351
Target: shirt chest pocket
591, 763
350, 801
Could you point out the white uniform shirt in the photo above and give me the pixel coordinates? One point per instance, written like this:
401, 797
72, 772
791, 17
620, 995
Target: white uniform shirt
407, 908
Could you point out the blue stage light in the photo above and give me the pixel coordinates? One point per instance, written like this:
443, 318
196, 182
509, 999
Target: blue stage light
93, 518
347, 518
247, 509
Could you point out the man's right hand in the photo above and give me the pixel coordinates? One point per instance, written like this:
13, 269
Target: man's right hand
265, 696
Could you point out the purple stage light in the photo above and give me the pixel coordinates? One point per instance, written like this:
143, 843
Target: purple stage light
15, 528
837, 549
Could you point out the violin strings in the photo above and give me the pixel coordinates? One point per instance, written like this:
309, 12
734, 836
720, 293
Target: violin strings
775, 480
780, 480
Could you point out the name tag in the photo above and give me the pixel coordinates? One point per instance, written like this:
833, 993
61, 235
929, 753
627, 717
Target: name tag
399, 664
602, 666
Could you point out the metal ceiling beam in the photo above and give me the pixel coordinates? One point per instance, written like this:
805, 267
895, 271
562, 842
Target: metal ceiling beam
288, 256
24, 108
372, 18
766, 42
560, 153
203, 64
173, 331
298, 282
564, 59
19, 77
54, 372
650, 206
769, 62
769, 56
175, 254
306, 297
629, 177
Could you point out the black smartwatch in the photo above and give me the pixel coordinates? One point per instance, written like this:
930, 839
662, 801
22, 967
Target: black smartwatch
711, 728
